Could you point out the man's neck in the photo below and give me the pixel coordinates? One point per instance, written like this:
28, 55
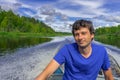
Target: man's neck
86, 52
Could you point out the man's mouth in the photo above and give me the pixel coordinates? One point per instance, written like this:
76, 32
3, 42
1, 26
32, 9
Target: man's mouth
81, 42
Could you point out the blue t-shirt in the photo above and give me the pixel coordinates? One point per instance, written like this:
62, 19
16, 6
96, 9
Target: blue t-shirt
78, 67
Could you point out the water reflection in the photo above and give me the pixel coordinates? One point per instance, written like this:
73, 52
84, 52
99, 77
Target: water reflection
9, 45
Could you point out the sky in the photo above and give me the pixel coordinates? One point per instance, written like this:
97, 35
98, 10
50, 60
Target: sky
60, 14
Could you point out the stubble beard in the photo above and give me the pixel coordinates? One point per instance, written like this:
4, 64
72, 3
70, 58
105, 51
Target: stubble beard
84, 46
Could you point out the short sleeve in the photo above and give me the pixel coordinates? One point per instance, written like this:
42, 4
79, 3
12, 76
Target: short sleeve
106, 61
60, 56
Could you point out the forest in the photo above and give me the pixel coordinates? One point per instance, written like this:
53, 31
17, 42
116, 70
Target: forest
108, 35
9, 22
113, 30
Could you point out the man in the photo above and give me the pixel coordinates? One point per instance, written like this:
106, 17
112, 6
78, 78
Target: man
83, 59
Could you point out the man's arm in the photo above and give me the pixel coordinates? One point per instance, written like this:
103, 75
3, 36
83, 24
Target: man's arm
52, 66
108, 74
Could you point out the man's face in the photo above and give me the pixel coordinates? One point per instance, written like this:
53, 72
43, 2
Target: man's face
83, 37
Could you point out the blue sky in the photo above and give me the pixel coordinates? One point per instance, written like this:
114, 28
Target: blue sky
59, 14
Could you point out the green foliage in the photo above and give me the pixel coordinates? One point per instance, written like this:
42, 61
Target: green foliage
108, 35
114, 30
9, 22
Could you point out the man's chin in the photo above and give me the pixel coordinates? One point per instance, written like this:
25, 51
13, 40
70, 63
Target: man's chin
83, 45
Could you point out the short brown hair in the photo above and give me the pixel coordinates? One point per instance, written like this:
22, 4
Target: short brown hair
83, 23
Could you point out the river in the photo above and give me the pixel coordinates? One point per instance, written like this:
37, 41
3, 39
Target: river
27, 63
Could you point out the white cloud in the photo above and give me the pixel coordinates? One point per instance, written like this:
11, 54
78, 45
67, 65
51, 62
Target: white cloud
87, 9
47, 10
51, 14
89, 3
8, 1
109, 18
9, 4
13, 5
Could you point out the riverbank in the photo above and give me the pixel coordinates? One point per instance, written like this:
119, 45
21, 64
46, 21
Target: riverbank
109, 39
21, 34
11, 41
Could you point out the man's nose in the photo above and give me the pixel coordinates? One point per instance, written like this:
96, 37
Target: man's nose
80, 36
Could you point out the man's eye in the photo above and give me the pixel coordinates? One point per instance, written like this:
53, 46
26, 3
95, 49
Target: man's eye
83, 33
76, 34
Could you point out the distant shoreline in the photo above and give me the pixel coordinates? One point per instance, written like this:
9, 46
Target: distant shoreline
21, 34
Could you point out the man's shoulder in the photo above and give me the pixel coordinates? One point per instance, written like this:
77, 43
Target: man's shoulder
71, 44
97, 46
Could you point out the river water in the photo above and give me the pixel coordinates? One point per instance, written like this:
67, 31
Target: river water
26, 64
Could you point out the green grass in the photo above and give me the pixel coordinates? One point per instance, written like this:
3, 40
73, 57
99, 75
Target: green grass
20, 34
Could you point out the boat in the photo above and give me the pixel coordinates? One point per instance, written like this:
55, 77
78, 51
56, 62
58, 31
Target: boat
57, 75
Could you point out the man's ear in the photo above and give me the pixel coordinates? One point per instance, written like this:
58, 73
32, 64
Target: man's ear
92, 36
